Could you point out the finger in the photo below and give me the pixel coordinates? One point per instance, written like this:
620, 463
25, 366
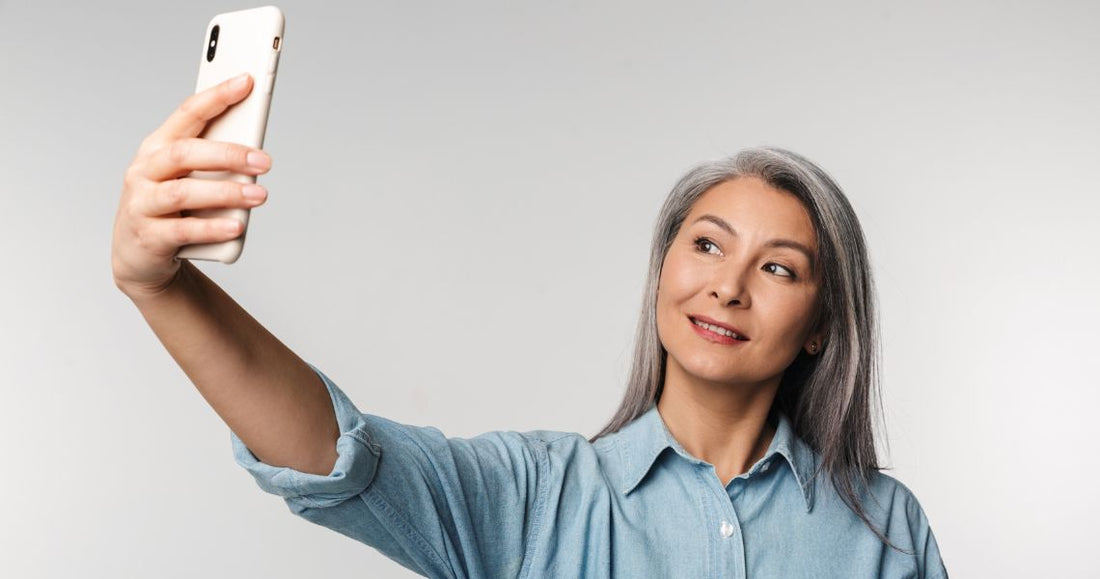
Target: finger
194, 154
165, 236
191, 117
176, 195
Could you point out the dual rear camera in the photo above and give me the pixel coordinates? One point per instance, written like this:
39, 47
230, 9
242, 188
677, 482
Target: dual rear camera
212, 46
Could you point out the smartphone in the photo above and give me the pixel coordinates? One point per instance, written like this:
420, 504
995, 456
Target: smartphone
237, 42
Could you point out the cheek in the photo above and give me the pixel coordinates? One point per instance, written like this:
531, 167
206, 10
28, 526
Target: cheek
793, 318
672, 290
677, 276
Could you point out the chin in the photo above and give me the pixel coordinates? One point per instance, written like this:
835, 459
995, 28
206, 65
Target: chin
706, 368
728, 371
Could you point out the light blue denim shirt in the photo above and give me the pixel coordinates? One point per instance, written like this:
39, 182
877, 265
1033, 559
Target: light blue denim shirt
632, 504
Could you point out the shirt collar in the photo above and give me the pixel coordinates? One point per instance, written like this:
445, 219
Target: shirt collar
643, 440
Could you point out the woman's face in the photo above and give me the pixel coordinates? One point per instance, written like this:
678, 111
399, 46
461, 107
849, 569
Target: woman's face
736, 260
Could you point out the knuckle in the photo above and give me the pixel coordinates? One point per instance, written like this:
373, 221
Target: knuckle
174, 193
234, 192
213, 229
179, 232
190, 105
132, 211
149, 143
149, 148
140, 235
130, 179
179, 151
235, 155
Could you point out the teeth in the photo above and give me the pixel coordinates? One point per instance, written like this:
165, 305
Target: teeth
717, 329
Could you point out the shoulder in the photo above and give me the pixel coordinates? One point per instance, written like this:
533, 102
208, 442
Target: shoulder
893, 509
555, 437
889, 503
887, 490
569, 458
566, 446
905, 522
539, 447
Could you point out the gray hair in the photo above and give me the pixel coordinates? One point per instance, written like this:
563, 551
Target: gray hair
828, 397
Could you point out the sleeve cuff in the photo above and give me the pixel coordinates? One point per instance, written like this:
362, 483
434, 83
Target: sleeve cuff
355, 465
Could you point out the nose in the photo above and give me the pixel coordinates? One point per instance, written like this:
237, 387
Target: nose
730, 284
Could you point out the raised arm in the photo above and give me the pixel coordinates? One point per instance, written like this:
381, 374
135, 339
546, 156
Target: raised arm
439, 506
268, 396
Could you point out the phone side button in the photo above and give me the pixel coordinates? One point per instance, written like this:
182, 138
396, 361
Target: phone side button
270, 82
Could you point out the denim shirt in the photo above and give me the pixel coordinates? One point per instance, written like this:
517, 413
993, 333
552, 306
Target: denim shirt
632, 504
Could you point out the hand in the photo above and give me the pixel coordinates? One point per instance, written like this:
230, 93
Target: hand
149, 228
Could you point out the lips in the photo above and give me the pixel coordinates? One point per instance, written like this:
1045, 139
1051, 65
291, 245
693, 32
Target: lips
713, 322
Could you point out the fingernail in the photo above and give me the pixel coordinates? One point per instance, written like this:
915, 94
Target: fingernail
258, 160
239, 81
253, 192
231, 226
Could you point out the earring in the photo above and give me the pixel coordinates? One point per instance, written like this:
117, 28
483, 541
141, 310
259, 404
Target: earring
813, 347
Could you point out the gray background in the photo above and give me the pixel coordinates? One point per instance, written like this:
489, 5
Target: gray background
461, 207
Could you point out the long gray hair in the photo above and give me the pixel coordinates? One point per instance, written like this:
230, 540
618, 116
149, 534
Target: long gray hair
828, 397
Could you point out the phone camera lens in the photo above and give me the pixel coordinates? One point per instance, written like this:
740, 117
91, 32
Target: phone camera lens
212, 46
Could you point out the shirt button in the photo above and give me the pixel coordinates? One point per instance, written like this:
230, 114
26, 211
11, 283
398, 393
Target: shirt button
726, 529
766, 466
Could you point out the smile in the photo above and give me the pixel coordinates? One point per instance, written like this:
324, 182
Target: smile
715, 333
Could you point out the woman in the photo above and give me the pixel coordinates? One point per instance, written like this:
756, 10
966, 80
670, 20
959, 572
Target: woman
744, 446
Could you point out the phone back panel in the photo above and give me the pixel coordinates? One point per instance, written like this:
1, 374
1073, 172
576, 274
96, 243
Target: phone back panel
246, 43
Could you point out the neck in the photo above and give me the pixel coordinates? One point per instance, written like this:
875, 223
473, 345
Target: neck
724, 424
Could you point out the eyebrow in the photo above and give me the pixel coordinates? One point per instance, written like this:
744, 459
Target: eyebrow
778, 242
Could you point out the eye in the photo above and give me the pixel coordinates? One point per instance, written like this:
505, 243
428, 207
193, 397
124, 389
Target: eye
700, 240
789, 273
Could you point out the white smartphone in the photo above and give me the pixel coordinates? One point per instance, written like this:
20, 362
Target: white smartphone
237, 42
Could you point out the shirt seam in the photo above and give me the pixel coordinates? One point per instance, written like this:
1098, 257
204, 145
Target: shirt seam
627, 481
361, 433
542, 492
373, 497
411, 531
549, 441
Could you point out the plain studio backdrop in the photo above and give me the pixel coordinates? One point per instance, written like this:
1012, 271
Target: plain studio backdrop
461, 206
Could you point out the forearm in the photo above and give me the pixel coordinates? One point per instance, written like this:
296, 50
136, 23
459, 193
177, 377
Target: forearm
267, 395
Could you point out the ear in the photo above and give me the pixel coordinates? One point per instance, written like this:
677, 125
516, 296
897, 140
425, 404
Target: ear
815, 343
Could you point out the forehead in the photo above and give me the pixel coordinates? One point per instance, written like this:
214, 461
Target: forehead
753, 207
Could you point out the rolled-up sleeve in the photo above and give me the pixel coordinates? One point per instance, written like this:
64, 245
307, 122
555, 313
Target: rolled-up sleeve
442, 507
355, 465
